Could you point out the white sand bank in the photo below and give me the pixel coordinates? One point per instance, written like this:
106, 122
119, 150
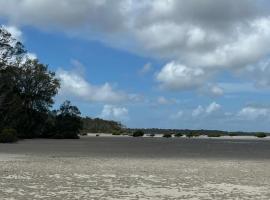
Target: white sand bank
117, 178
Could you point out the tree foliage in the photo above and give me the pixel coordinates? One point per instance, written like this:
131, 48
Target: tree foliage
138, 133
8, 136
98, 125
68, 121
27, 88
9, 47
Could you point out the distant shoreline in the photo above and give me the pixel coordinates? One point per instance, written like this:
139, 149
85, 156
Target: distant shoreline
225, 137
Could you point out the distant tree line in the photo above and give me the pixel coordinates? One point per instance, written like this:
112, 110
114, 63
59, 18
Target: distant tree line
27, 88
97, 125
194, 133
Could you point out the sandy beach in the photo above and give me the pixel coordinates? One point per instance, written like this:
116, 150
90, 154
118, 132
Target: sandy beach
135, 168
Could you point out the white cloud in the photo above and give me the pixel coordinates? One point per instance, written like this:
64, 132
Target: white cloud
178, 115
15, 32
212, 90
198, 111
114, 113
32, 56
175, 76
216, 90
253, 113
202, 37
75, 85
212, 108
17, 36
254, 117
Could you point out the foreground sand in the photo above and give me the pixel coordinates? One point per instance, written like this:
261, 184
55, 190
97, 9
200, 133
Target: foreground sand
48, 175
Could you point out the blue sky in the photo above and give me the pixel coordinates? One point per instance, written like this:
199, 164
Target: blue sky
154, 63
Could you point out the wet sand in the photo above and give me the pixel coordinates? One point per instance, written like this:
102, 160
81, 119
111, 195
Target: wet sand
135, 168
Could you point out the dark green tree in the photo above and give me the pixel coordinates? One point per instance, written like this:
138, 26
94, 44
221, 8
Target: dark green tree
10, 51
68, 122
27, 89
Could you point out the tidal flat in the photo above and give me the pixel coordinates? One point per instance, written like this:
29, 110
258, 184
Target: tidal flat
135, 168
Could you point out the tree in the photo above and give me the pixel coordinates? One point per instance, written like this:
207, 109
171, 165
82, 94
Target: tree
9, 47
98, 125
10, 51
68, 121
34, 87
27, 89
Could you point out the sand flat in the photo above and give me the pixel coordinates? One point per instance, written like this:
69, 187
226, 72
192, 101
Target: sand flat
36, 173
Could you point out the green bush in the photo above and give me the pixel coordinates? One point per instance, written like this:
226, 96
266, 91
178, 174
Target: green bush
138, 134
8, 136
260, 135
178, 135
167, 135
152, 135
214, 135
189, 135
116, 133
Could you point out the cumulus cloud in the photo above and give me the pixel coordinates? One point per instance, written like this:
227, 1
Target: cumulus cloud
253, 113
249, 118
212, 108
196, 38
212, 90
216, 91
75, 85
198, 111
176, 76
178, 115
114, 113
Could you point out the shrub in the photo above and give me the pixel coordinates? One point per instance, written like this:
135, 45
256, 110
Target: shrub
138, 133
152, 135
213, 134
260, 135
116, 133
97, 135
189, 135
167, 135
8, 136
178, 135
232, 134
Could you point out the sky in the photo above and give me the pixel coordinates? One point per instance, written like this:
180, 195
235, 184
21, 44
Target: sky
154, 63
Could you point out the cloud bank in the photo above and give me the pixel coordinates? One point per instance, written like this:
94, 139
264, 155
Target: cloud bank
197, 38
